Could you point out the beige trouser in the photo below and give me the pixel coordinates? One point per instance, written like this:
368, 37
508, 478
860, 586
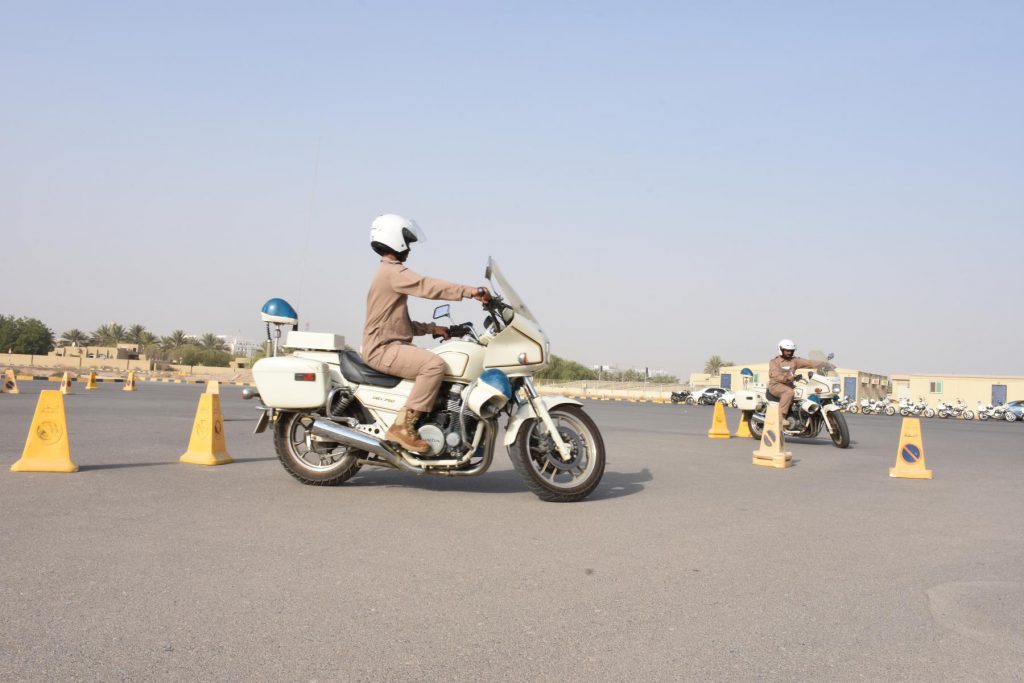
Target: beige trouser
411, 362
785, 394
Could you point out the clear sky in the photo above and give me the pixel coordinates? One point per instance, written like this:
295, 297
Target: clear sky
660, 181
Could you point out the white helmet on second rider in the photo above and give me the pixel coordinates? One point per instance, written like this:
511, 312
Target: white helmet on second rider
787, 345
391, 233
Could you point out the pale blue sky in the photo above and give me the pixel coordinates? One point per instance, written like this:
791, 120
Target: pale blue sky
646, 173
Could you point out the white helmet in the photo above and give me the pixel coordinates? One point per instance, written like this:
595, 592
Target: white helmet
393, 233
787, 345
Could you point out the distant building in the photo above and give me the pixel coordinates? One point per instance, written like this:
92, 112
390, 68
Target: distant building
857, 384
973, 389
238, 347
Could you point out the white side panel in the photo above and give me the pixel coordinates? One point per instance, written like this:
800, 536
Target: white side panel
278, 381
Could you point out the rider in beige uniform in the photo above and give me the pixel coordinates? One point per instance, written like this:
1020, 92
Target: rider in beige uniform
781, 373
387, 336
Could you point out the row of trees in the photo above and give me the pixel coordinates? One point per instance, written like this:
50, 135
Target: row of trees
564, 370
177, 347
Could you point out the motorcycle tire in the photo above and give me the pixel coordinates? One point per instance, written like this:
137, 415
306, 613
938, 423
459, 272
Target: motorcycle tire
904, 412
943, 414
296, 459
968, 414
889, 410
1011, 417
533, 454
983, 416
853, 410
756, 428
690, 401
929, 413
841, 431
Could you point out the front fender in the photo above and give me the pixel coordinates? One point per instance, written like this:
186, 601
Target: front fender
525, 412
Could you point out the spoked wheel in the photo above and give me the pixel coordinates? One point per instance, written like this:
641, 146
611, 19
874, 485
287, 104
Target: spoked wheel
983, 416
854, 410
312, 462
840, 432
968, 415
1010, 416
538, 462
889, 410
929, 412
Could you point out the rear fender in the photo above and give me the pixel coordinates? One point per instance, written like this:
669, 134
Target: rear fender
525, 412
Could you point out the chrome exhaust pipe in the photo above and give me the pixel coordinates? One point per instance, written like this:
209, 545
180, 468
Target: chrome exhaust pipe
361, 441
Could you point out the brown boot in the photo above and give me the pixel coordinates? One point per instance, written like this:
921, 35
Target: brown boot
403, 432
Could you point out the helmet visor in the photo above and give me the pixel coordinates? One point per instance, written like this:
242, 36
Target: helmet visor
414, 233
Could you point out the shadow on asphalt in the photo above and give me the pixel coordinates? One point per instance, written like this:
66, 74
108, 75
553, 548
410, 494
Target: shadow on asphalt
117, 466
613, 484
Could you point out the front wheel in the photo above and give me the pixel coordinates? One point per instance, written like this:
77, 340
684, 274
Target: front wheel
905, 412
943, 414
968, 414
854, 410
889, 410
983, 416
536, 459
1010, 417
840, 432
929, 413
312, 462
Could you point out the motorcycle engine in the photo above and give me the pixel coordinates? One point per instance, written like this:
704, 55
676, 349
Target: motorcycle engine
441, 428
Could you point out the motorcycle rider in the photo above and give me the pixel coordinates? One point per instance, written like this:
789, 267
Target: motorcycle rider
388, 333
781, 373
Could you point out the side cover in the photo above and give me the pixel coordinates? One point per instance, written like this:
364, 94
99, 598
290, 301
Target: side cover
291, 383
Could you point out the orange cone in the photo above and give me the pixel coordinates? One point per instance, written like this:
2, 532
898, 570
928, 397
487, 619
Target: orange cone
91, 382
910, 456
770, 454
65, 385
129, 384
47, 448
719, 427
10, 385
207, 446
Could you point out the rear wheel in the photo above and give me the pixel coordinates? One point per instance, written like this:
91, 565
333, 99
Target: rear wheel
983, 416
929, 413
854, 410
1010, 416
312, 462
756, 428
889, 410
840, 432
943, 414
968, 414
905, 412
538, 462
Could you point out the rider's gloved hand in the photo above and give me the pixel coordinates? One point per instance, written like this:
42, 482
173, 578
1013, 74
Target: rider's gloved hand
440, 331
482, 294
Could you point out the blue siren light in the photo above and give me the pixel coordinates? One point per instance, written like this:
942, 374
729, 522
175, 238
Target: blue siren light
279, 311
498, 380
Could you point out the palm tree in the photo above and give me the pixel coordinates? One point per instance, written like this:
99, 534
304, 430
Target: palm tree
146, 339
75, 337
715, 364
174, 341
212, 342
134, 334
118, 333
102, 336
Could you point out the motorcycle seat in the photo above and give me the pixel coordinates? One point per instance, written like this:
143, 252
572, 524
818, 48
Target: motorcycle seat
356, 371
769, 396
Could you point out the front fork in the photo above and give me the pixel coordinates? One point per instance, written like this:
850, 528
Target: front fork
564, 450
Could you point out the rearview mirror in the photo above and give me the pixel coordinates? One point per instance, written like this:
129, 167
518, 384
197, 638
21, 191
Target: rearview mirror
443, 311
830, 356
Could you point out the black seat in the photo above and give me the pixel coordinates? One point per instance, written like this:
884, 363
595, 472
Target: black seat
355, 370
769, 396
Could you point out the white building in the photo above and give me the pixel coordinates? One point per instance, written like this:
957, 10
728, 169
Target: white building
237, 346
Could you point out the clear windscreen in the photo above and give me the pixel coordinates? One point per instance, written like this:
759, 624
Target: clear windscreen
502, 287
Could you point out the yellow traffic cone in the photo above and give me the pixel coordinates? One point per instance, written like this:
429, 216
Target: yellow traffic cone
66, 387
770, 454
129, 384
91, 383
213, 387
10, 385
47, 448
910, 456
719, 427
743, 430
206, 446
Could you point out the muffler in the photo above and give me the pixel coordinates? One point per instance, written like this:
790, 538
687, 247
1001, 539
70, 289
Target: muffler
361, 441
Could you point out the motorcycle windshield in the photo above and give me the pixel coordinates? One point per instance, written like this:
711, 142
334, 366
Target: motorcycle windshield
501, 285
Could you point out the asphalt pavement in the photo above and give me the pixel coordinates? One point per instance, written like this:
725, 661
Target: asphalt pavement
687, 563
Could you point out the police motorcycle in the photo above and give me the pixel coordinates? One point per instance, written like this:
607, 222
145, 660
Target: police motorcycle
815, 404
328, 411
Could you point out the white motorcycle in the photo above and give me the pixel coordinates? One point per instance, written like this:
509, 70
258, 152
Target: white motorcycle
815, 404
330, 411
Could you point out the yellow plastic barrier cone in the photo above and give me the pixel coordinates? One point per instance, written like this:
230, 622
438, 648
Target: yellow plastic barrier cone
743, 430
66, 387
129, 384
10, 385
213, 387
47, 448
719, 427
206, 445
770, 454
910, 456
91, 383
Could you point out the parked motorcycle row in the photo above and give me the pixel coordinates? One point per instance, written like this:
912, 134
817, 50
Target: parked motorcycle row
920, 408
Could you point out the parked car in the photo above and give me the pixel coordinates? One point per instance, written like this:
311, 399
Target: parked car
1014, 411
707, 396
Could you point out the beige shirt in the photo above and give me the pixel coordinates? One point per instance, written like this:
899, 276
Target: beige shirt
781, 371
387, 309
